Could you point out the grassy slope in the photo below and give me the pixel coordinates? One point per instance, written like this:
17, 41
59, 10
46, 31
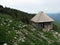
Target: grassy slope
17, 14
13, 32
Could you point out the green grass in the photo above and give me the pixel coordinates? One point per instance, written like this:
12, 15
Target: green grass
12, 31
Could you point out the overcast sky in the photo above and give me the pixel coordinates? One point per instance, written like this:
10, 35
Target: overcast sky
33, 6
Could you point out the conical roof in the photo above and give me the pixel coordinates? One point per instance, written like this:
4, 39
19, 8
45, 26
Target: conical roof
41, 17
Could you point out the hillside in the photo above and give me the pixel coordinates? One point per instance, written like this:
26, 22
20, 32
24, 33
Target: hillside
19, 31
16, 32
16, 14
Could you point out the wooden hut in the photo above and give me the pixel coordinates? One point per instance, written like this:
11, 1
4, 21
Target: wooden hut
42, 21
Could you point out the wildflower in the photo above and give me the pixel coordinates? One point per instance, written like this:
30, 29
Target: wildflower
58, 34
4, 23
23, 40
15, 37
8, 31
15, 30
19, 39
24, 25
19, 26
24, 37
52, 30
10, 20
26, 33
5, 44
15, 43
8, 25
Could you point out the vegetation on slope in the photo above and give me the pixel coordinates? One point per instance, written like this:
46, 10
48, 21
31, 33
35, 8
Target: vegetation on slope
15, 30
16, 14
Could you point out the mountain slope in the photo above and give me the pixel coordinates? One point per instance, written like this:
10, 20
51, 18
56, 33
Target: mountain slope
15, 29
15, 32
16, 14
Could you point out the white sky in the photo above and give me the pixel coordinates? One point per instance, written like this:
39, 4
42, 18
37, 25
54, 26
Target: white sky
33, 6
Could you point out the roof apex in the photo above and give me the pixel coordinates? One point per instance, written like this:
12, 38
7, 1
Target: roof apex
41, 17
